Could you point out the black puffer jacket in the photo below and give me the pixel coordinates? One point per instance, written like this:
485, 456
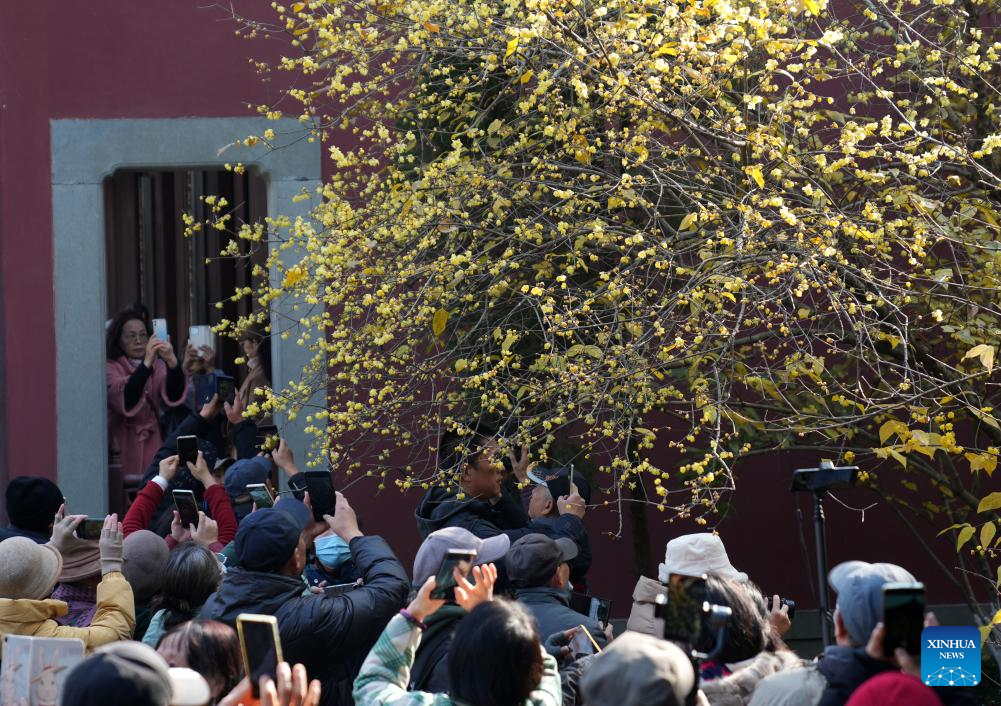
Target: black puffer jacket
330, 636
441, 508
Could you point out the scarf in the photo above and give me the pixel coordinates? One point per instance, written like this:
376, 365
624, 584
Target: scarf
82, 604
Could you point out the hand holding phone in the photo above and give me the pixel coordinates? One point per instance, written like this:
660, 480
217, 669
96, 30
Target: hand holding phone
260, 647
261, 495
225, 387
160, 329
90, 529
583, 643
903, 616
444, 580
187, 507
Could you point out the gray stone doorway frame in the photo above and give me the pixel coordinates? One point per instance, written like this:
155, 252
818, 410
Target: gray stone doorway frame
84, 153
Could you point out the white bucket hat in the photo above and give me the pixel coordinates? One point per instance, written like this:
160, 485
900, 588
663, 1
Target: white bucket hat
697, 554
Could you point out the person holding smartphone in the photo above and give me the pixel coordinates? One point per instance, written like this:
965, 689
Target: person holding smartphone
142, 373
330, 635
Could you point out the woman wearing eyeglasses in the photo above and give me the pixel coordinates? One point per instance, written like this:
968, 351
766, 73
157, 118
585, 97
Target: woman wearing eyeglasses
142, 371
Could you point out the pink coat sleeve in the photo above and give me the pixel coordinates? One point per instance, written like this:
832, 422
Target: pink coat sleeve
118, 373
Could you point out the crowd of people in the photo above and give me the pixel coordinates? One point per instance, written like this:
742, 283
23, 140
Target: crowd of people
158, 602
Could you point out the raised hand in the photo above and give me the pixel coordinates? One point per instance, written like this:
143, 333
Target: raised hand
470, 595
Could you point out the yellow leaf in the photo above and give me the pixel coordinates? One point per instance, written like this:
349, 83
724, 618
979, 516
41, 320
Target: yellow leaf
512, 47
687, 222
982, 462
813, 6
301, 31
298, 6
526, 77
894, 426
755, 173
438, 322
985, 418
987, 533
901, 459
952, 527
669, 48
461, 364
509, 341
990, 502
985, 353
964, 537
432, 27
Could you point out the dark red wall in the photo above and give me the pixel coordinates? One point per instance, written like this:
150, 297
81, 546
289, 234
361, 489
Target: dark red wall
150, 58
101, 59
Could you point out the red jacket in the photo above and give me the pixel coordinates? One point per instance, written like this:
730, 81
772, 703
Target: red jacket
144, 507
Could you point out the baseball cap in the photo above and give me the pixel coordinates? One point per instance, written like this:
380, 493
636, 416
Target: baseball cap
636, 670
558, 482
859, 586
533, 559
244, 472
296, 509
696, 554
432, 552
267, 539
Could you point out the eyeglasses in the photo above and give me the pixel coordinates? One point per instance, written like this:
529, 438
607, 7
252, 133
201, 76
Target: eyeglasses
135, 336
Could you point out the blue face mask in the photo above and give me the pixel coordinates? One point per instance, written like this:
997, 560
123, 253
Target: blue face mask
333, 552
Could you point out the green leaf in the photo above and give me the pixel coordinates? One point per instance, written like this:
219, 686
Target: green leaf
438, 322
990, 502
964, 536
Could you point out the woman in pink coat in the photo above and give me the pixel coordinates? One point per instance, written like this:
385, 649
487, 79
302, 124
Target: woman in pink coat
142, 372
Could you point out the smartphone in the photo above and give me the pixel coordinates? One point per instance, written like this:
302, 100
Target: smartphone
600, 610
260, 646
580, 603
199, 336
682, 607
260, 493
320, 485
444, 581
184, 501
187, 449
339, 589
582, 643
160, 329
225, 387
90, 528
903, 616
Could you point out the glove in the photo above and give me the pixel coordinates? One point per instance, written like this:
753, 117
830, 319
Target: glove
110, 545
557, 645
64, 532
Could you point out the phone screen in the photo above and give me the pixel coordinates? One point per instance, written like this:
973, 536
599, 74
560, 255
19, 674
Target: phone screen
261, 647
261, 496
320, 485
90, 529
904, 617
339, 589
225, 388
682, 611
184, 501
187, 449
160, 329
199, 336
580, 644
444, 581
600, 610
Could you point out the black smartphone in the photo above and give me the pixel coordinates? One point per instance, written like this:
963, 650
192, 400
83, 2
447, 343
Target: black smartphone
320, 485
903, 616
601, 610
580, 603
681, 608
260, 493
187, 450
225, 387
260, 646
444, 580
184, 501
90, 528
